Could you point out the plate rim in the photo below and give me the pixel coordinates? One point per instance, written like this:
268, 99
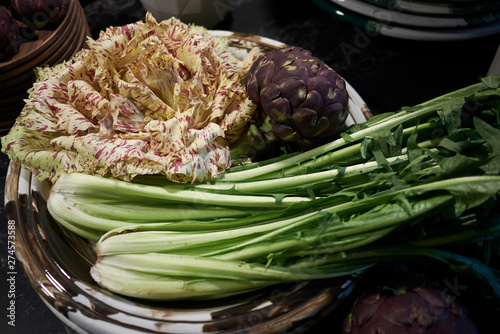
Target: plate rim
414, 20
406, 33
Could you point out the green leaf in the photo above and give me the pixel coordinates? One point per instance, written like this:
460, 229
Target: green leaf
450, 145
492, 81
365, 146
347, 137
495, 110
450, 115
405, 204
380, 158
455, 165
414, 150
414, 166
469, 192
492, 137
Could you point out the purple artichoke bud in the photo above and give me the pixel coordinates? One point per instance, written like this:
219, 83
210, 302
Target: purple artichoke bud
23, 8
50, 11
418, 310
10, 34
40, 12
306, 101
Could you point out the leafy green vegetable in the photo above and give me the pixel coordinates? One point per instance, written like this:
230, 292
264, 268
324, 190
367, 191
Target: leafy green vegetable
387, 187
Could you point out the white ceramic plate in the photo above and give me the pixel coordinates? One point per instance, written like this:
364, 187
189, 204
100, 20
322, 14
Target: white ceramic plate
57, 263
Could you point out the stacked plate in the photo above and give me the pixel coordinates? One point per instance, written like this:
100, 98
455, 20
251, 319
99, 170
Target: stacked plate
44, 47
440, 20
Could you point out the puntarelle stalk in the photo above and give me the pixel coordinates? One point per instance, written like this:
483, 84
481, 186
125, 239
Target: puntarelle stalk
157, 287
295, 217
92, 185
269, 255
414, 114
334, 145
352, 153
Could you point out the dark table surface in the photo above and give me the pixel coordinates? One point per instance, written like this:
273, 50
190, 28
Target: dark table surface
387, 72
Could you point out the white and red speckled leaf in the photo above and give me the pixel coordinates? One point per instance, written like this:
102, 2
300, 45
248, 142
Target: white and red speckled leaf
144, 98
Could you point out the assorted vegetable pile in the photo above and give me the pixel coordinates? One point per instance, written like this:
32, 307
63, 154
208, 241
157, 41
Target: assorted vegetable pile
136, 134
407, 183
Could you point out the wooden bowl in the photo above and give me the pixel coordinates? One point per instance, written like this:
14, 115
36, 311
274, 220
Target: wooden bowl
50, 47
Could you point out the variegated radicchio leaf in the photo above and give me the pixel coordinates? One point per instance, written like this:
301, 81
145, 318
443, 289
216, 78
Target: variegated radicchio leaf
145, 98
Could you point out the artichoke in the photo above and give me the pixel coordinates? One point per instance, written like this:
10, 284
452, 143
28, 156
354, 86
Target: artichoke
305, 100
41, 12
10, 34
417, 310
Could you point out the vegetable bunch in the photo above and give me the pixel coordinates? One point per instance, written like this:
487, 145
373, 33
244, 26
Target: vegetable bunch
405, 183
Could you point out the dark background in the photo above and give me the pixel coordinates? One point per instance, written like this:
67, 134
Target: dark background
387, 72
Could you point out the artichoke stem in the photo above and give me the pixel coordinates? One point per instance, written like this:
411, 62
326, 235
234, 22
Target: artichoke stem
258, 142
